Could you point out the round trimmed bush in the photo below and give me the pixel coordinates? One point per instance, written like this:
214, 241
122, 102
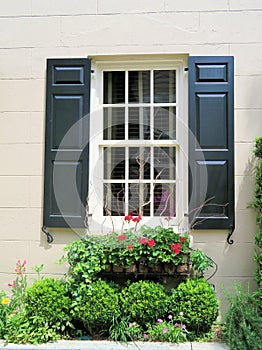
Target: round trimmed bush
194, 303
144, 301
47, 305
97, 306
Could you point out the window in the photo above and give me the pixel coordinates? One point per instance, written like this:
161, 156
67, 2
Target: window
140, 150
137, 143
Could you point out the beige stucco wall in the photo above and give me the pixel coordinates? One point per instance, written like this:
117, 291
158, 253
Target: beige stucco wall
33, 30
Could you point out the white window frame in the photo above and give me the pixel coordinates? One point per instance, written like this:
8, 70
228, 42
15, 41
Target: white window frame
104, 224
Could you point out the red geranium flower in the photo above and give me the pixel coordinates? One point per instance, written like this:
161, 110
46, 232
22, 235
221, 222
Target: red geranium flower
130, 247
121, 238
129, 217
151, 243
182, 239
137, 219
143, 240
175, 247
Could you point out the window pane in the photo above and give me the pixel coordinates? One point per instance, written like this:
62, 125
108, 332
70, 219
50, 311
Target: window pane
114, 87
165, 123
114, 124
164, 86
114, 199
139, 87
165, 200
139, 163
114, 163
138, 123
139, 199
165, 163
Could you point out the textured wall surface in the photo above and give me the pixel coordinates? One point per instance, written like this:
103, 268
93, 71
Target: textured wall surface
33, 30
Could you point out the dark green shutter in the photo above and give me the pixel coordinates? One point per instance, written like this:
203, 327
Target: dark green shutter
211, 142
66, 152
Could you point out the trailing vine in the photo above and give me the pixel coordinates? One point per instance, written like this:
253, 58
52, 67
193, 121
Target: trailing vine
258, 206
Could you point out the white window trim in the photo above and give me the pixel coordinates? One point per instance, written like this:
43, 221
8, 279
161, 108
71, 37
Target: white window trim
97, 222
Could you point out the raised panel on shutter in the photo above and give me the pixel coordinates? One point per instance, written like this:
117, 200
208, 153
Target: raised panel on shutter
211, 142
67, 135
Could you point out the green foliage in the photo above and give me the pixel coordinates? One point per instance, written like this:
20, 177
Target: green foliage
167, 331
258, 147
20, 330
86, 258
47, 305
257, 204
200, 263
124, 331
144, 301
194, 303
243, 329
4, 311
96, 306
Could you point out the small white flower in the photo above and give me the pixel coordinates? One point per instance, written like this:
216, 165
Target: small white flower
181, 313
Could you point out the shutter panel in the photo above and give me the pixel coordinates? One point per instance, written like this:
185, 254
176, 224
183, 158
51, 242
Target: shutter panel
211, 142
66, 152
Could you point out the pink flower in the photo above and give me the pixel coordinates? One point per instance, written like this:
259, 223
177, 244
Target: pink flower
184, 326
170, 317
128, 217
130, 247
145, 335
151, 243
159, 320
10, 284
177, 324
164, 330
143, 240
121, 238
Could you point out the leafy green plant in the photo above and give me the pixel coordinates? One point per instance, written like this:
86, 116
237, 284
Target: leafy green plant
86, 258
243, 326
257, 204
48, 305
144, 301
167, 331
96, 306
194, 302
45, 316
4, 311
20, 330
200, 262
123, 330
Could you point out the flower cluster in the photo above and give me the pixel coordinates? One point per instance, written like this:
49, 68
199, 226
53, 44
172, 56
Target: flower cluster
167, 331
153, 245
130, 217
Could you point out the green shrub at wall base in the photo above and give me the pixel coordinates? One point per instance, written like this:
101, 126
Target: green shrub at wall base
144, 301
96, 306
194, 302
46, 315
243, 328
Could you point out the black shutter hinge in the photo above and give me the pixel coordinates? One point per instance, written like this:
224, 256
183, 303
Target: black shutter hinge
186, 69
231, 230
49, 237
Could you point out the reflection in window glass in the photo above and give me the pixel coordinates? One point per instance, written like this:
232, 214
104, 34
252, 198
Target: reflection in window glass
165, 123
114, 87
139, 87
164, 86
114, 124
138, 123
